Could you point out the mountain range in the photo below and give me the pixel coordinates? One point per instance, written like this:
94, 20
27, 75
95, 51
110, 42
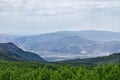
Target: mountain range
68, 44
10, 52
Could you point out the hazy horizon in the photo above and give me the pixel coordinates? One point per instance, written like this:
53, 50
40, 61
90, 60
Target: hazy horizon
54, 32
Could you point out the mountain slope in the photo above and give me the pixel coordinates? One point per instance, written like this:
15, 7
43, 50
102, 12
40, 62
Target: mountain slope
99, 35
67, 44
93, 35
8, 56
114, 58
9, 51
87, 34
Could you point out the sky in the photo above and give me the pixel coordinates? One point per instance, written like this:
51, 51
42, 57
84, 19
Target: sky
28, 17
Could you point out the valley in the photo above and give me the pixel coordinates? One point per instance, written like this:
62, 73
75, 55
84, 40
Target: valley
65, 44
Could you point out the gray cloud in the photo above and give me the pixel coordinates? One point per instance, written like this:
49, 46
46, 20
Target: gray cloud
40, 16
52, 7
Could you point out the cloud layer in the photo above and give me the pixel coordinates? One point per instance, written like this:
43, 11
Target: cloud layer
52, 7
41, 16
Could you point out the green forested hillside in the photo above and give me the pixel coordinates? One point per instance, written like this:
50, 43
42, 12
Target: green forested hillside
53, 71
47, 71
114, 58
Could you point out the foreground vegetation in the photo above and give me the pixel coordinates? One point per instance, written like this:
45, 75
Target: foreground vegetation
50, 71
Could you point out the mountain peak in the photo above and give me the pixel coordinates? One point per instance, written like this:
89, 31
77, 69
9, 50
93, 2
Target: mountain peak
9, 45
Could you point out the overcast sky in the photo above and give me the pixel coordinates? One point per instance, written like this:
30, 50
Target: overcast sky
27, 17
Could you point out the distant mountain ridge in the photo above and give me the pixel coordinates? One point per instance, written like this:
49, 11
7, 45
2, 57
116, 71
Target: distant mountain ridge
10, 52
99, 35
67, 44
46, 46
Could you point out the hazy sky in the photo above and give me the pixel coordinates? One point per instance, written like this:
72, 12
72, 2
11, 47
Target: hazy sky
42, 16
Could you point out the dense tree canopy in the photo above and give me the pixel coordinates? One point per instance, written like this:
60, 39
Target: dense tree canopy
47, 71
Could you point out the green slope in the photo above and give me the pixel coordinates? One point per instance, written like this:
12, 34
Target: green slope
114, 58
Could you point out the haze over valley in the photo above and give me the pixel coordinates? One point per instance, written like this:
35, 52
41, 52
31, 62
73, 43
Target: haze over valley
65, 45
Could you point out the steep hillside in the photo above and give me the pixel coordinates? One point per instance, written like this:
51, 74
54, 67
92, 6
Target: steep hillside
8, 56
10, 52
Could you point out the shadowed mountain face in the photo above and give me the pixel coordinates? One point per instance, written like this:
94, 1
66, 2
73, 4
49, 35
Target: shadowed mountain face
70, 44
10, 52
